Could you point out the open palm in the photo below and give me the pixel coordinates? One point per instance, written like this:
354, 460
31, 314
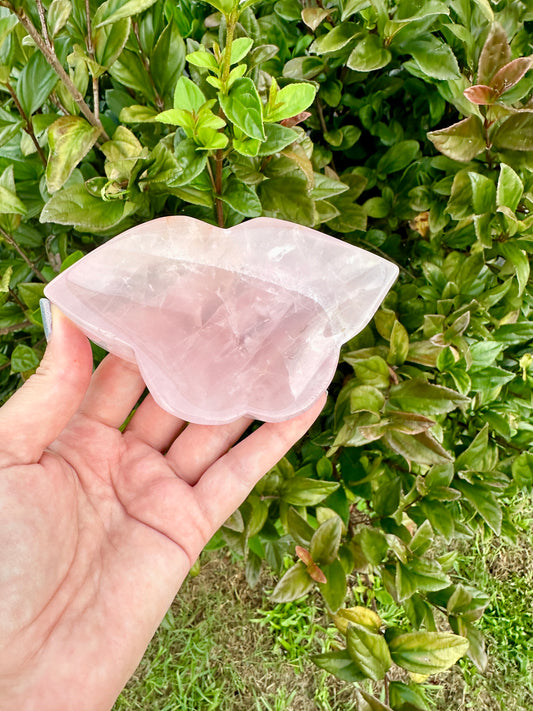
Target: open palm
99, 527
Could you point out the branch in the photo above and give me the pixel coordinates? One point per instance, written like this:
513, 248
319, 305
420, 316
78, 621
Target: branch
29, 125
44, 26
90, 49
53, 61
14, 327
9, 239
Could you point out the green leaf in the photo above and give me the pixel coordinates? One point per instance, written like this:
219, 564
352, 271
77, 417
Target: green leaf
240, 48
334, 590
242, 198
109, 41
369, 54
301, 491
519, 260
399, 345
353, 6
75, 206
293, 585
337, 38
291, 101
417, 395
369, 651
368, 702
190, 161
57, 15
515, 133
435, 58
398, 157
478, 456
419, 575
462, 141
427, 652
510, 188
35, 83
168, 59
187, 96
421, 448
129, 71
277, 138
287, 199
484, 502
373, 543
326, 541
24, 359
243, 108
407, 698
70, 139
340, 664
373, 371
138, 114
299, 529
514, 333
366, 397
9, 203
522, 470
203, 58
114, 10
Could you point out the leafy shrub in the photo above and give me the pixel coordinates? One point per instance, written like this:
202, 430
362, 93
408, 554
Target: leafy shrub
404, 127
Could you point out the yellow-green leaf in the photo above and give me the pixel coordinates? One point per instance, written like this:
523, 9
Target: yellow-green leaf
70, 139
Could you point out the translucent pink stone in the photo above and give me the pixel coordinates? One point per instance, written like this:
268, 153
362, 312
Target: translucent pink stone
224, 323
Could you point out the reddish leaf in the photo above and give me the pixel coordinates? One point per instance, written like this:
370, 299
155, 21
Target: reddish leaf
315, 573
295, 120
495, 54
510, 74
481, 94
304, 555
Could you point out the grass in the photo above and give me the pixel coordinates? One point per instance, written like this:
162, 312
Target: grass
505, 572
224, 646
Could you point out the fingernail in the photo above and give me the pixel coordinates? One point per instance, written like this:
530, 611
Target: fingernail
46, 314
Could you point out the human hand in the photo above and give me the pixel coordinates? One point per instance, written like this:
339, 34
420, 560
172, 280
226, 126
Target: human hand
99, 527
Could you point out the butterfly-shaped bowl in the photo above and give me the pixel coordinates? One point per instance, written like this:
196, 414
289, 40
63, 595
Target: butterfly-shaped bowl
225, 322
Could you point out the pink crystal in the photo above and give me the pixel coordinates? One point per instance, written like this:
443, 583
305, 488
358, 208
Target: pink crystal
226, 322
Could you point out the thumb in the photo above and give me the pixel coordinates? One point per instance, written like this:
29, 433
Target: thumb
35, 415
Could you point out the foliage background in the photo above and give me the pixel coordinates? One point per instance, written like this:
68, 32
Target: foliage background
402, 127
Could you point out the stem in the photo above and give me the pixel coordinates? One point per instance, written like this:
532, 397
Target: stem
231, 22
29, 125
219, 159
90, 50
44, 26
323, 125
9, 239
14, 327
16, 299
53, 61
386, 685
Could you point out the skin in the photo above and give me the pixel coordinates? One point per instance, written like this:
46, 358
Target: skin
98, 527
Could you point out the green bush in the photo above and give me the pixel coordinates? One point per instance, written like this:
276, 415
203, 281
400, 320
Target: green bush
403, 127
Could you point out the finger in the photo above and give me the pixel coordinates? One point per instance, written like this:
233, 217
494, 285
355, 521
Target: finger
35, 415
198, 446
154, 426
115, 388
223, 488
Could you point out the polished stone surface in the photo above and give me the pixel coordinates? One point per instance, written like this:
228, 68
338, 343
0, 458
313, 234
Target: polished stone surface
224, 323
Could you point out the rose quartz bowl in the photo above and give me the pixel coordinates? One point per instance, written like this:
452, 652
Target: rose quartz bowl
225, 322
